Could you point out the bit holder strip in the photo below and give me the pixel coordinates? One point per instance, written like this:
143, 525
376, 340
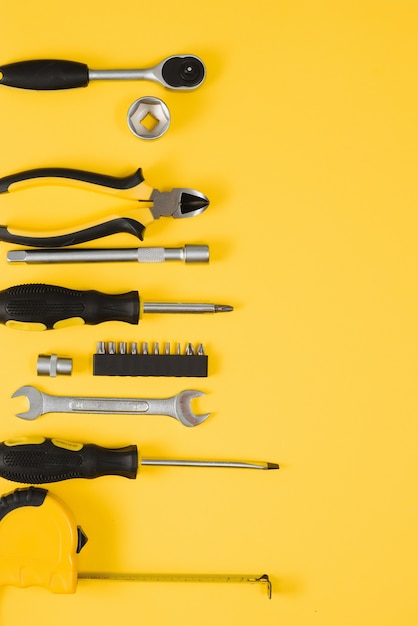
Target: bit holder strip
113, 360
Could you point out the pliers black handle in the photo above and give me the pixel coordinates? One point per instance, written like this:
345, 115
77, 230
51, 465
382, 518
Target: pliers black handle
112, 227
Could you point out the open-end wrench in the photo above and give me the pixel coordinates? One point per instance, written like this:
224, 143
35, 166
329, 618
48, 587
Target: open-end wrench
176, 406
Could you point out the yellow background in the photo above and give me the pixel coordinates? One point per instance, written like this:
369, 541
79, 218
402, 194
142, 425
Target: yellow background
304, 136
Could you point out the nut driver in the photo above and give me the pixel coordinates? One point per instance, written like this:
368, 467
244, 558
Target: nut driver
178, 72
40, 307
178, 406
156, 254
33, 517
40, 460
180, 202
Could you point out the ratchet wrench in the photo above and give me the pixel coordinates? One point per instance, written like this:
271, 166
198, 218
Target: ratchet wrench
178, 407
178, 72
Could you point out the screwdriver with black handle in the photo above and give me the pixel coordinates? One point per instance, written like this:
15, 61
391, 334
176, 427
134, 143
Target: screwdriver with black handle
40, 307
41, 460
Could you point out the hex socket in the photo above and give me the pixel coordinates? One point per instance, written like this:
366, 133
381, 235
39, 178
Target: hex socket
53, 365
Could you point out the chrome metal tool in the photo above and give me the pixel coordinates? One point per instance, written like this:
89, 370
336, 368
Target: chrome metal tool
179, 72
52, 365
178, 407
156, 254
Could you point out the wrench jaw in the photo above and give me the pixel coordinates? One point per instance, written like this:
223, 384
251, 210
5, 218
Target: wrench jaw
183, 408
34, 398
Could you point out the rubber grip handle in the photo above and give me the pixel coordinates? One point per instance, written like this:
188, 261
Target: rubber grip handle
49, 304
45, 74
112, 227
54, 460
102, 180
19, 498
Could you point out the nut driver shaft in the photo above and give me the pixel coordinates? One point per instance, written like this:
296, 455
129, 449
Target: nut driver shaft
155, 254
178, 72
41, 460
40, 307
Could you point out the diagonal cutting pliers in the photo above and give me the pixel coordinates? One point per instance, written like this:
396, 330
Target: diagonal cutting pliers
180, 202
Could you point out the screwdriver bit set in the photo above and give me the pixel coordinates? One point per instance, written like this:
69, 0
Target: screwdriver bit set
113, 359
39, 306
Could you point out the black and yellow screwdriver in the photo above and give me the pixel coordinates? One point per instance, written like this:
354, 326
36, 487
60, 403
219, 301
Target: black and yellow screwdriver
40, 307
41, 460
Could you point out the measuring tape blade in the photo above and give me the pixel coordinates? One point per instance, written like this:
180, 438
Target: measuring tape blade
179, 578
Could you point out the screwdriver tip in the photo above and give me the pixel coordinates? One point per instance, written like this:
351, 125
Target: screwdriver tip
271, 466
223, 308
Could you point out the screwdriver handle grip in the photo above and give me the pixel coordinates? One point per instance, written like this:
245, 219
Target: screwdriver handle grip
45, 74
42, 460
40, 307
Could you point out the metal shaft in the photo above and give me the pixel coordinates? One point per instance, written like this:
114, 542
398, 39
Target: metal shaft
187, 253
234, 464
134, 74
185, 307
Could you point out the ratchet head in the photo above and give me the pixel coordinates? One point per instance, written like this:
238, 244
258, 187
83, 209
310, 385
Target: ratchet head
183, 409
35, 399
180, 72
179, 202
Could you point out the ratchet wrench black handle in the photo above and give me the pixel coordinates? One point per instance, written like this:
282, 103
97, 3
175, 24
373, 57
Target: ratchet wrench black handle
42, 307
45, 74
112, 227
41, 460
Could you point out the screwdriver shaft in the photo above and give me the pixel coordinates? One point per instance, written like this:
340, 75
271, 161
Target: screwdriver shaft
185, 307
191, 463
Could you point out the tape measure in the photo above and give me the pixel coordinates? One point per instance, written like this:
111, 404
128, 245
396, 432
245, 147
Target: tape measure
40, 542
